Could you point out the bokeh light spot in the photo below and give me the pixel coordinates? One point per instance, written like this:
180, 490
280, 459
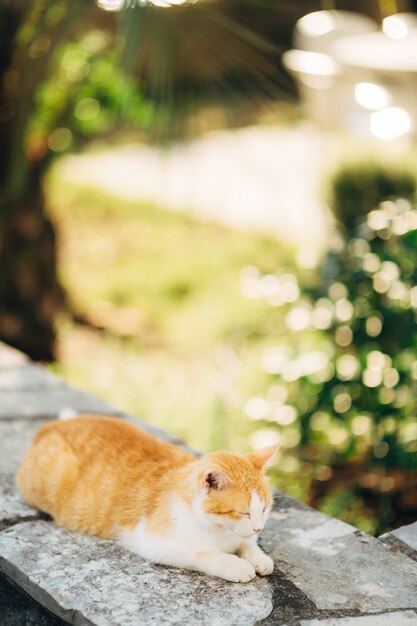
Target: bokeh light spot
361, 424
60, 139
373, 326
343, 336
87, 109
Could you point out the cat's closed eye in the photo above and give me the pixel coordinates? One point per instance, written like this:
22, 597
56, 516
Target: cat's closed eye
244, 514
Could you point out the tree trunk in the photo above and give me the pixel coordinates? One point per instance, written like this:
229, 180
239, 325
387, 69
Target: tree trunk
30, 295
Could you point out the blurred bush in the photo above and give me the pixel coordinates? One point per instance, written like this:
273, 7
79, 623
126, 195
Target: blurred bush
342, 392
356, 189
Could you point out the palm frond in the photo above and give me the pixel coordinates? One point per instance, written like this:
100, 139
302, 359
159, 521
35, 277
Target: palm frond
202, 55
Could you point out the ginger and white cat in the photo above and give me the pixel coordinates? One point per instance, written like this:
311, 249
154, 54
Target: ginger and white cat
103, 476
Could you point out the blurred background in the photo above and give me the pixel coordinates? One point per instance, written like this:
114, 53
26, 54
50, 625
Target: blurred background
208, 218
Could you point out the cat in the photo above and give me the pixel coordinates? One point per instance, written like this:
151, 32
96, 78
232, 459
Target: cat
104, 476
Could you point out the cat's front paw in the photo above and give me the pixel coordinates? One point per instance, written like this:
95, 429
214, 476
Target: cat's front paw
227, 566
263, 564
239, 571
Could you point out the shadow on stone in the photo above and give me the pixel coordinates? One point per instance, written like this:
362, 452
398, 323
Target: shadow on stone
17, 608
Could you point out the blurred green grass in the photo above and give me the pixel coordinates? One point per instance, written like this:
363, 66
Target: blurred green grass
180, 345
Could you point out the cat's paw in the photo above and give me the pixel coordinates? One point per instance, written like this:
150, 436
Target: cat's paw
227, 566
263, 564
239, 571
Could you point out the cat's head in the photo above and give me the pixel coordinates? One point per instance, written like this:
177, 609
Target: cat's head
234, 495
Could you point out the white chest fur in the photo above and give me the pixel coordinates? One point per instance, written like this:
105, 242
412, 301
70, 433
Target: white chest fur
193, 541
186, 535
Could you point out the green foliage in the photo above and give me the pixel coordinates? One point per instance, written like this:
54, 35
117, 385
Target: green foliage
358, 188
342, 385
85, 94
367, 303
345, 505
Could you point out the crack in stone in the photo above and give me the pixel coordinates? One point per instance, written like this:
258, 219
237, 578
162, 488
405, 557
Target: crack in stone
339, 615
289, 602
397, 545
38, 417
291, 605
18, 519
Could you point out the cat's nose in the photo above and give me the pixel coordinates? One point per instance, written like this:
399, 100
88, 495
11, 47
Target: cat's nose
257, 530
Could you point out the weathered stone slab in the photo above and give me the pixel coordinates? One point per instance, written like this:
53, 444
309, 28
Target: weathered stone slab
9, 357
48, 403
12, 509
15, 438
27, 377
87, 580
407, 534
338, 567
397, 618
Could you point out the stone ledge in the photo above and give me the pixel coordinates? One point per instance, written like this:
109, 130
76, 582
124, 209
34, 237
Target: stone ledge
327, 572
10, 357
110, 586
337, 567
44, 402
406, 534
28, 377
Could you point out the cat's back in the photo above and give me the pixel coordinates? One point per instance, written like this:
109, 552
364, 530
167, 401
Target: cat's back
91, 438
85, 469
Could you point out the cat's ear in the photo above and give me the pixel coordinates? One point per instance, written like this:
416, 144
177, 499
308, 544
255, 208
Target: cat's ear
264, 458
214, 480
